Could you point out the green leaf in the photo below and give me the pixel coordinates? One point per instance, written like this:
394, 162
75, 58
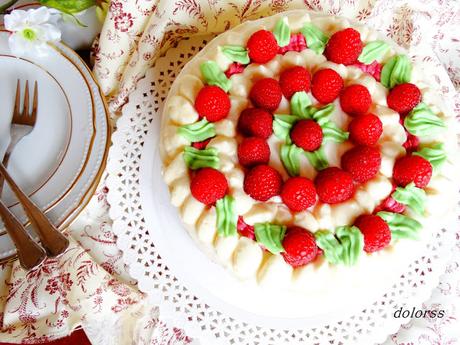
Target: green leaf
226, 216
317, 159
270, 236
290, 157
401, 226
421, 121
300, 103
396, 71
236, 54
196, 159
69, 6
435, 154
213, 75
322, 115
282, 32
333, 133
352, 242
198, 131
315, 38
282, 125
411, 196
373, 51
330, 245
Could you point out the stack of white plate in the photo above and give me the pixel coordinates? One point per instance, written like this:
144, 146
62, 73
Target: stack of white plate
60, 163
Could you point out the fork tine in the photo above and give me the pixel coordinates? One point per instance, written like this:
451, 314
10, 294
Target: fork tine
34, 103
25, 110
17, 102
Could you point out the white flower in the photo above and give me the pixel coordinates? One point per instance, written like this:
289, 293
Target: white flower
31, 30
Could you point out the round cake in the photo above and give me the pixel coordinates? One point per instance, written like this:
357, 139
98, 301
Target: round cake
306, 153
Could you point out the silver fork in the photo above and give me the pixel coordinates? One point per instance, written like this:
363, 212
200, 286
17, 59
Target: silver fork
22, 124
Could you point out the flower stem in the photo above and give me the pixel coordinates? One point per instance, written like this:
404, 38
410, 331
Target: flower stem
4, 7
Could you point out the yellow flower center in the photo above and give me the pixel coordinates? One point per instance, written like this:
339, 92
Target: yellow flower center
29, 34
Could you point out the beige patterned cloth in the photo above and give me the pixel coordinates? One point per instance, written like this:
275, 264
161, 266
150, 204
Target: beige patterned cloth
90, 285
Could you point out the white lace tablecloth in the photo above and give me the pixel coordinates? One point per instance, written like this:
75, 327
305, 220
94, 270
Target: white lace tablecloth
90, 285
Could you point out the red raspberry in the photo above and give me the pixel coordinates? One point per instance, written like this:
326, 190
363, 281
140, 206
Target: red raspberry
362, 162
334, 185
293, 80
307, 134
365, 129
262, 182
412, 169
355, 100
412, 143
266, 94
377, 234
344, 47
299, 246
262, 46
212, 103
253, 151
255, 122
244, 229
404, 97
326, 85
201, 145
208, 185
298, 193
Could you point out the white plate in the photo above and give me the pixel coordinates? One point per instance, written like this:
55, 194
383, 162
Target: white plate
60, 162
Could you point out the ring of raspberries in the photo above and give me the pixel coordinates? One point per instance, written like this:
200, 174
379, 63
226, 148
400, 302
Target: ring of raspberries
313, 96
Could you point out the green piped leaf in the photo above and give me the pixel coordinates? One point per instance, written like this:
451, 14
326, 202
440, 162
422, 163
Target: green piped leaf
396, 71
421, 121
352, 242
213, 75
198, 131
300, 103
435, 154
330, 245
322, 115
226, 216
333, 133
282, 125
315, 38
236, 54
373, 51
282, 32
411, 196
317, 159
290, 157
270, 236
197, 159
401, 226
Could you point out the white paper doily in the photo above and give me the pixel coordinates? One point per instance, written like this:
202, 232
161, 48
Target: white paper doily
180, 306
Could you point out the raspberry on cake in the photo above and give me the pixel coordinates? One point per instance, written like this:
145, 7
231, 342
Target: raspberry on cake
412, 169
334, 185
344, 47
298, 193
266, 94
326, 85
255, 122
355, 100
365, 129
208, 185
362, 162
307, 134
262, 46
253, 151
212, 103
404, 97
263, 182
293, 80
299, 246
377, 234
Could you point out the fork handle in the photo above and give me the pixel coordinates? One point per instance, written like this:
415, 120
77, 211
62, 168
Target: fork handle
30, 254
51, 238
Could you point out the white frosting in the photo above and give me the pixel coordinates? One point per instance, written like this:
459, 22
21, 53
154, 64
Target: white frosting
243, 256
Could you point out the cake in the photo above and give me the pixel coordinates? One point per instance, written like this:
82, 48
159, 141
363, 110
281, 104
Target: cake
305, 152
